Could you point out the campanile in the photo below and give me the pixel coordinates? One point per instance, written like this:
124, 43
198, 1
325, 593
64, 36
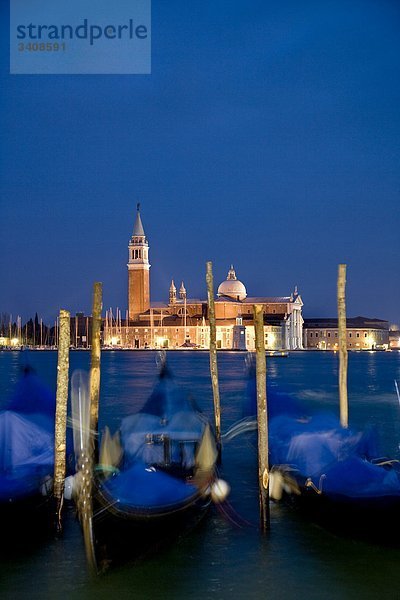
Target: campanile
138, 271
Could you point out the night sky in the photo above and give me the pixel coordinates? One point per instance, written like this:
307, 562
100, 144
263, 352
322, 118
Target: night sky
267, 136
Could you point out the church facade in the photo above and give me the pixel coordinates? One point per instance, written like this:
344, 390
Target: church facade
182, 322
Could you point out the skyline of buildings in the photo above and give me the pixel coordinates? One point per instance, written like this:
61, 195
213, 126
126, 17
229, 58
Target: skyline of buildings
182, 321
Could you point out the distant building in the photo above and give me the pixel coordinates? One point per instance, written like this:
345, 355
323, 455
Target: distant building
394, 337
362, 334
183, 321
5, 341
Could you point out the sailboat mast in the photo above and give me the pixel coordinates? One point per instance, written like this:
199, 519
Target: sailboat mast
19, 331
151, 328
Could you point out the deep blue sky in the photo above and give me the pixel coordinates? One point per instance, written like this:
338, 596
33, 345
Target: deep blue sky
267, 136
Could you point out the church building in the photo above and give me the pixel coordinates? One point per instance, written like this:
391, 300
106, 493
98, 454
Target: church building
182, 322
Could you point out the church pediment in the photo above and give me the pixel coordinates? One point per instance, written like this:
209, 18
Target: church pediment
298, 301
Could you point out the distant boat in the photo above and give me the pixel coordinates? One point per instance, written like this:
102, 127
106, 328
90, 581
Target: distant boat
155, 476
277, 353
188, 345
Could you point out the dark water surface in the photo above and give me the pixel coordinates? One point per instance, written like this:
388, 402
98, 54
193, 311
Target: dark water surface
225, 557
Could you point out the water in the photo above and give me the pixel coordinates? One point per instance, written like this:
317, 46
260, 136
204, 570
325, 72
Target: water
225, 557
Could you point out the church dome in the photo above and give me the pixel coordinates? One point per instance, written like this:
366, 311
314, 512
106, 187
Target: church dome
232, 287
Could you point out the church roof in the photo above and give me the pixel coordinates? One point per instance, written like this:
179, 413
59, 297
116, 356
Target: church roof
190, 301
228, 299
268, 299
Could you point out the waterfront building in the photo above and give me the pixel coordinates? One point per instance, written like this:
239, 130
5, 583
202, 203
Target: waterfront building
5, 341
394, 337
362, 334
183, 321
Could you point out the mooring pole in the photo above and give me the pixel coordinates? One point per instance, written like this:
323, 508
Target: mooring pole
213, 355
88, 462
343, 356
60, 433
95, 361
262, 417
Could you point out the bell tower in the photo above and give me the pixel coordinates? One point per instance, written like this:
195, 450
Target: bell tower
138, 271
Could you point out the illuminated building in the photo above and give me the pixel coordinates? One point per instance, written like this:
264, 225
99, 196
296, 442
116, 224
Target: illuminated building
362, 334
183, 321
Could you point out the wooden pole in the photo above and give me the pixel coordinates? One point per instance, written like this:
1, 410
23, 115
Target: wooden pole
88, 461
95, 359
343, 357
60, 433
213, 354
262, 417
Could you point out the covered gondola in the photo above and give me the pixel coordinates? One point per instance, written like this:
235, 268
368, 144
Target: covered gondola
26, 460
333, 475
153, 478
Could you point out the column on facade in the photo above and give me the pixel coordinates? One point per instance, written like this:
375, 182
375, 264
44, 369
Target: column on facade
291, 331
300, 330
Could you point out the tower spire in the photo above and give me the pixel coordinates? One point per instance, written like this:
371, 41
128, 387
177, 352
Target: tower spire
138, 230
182, 291
172, 293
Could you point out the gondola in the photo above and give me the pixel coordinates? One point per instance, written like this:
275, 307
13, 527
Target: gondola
26, 461
334, 476
154, 477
